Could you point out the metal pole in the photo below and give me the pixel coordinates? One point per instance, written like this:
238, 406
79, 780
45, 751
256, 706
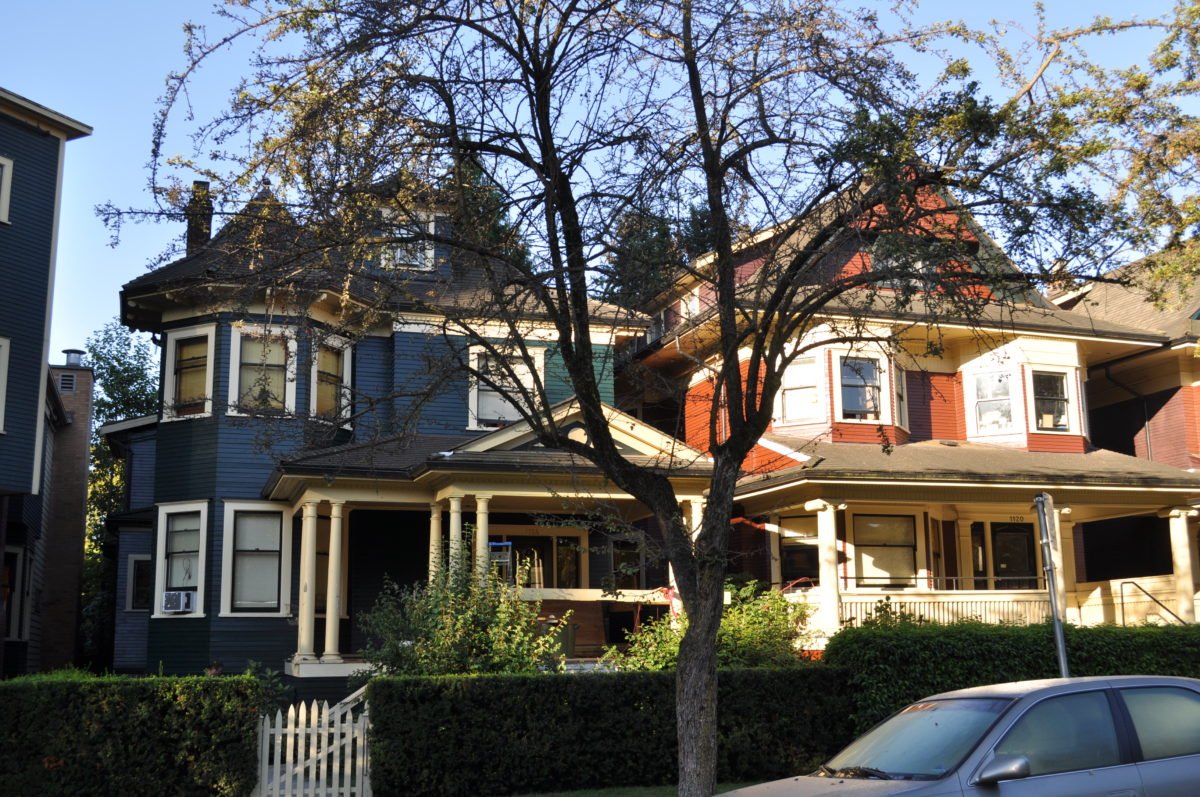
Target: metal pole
1045, 506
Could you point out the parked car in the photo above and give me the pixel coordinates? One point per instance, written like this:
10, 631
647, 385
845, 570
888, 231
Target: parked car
1120, 736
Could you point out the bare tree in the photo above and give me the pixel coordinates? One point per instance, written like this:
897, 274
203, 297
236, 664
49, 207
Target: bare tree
796, 127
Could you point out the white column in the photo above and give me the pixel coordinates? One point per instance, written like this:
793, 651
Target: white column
1181, 557
308, 583
966, 554
435, 539
333, 588
828, 617
456, 533
481, 536
774, 540
1062, 549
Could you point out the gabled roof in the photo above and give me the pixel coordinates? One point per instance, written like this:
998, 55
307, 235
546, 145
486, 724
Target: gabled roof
1174, 317
40, 116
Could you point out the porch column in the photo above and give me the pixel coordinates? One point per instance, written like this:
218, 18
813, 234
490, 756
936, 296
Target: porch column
308, 583
481, 536
435, 539
774, 540
1182, 552
966, 554
1062, 546
828, 617
333, 585
456, 533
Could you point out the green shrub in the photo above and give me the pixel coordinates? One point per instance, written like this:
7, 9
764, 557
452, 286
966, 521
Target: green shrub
457, 624
500, 735
891, 665
70, 734
758, 629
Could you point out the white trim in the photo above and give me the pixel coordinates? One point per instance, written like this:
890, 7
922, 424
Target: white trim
285, 556
5, 347
422, 324
6, 172
1071, 385
884, 364
1016, 405
236, 333
787, 451
121, 426
129, 560
820, 388
538, 357
332, 342
160, 557
425, 224
170, 343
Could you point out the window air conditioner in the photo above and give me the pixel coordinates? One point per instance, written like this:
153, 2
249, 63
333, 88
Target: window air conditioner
179, 601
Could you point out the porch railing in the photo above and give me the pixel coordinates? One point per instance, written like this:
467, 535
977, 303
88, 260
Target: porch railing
986, 607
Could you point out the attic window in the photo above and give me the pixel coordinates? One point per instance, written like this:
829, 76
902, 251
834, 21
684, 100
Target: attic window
414, 255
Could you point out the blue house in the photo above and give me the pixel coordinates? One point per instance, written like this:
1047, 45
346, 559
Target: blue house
294, 466
33, 142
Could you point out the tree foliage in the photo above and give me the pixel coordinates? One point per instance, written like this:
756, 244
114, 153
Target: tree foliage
802, 118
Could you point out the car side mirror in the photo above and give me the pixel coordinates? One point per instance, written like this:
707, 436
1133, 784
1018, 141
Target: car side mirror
1003, 767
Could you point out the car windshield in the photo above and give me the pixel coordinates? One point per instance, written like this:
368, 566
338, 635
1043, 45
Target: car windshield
924, 741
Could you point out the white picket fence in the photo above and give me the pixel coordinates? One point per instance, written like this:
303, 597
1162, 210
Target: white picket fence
315, 751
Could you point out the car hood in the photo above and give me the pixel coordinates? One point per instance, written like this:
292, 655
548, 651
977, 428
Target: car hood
806, 786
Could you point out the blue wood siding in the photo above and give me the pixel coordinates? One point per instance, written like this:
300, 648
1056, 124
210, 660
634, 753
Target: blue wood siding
372, 377
25, 251
140, 474
131, 627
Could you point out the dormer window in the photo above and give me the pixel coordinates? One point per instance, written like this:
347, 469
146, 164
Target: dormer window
414, 255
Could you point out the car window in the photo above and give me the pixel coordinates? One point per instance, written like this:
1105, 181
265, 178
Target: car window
1065, 733
1166, 718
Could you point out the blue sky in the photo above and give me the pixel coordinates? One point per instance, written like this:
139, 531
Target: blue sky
104, 62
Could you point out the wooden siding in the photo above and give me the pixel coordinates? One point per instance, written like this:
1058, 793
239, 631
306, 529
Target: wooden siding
935, 406
25, 251
178, 646
1058, 443
373, 378
697, 407
865, 433
140, 474
131, 627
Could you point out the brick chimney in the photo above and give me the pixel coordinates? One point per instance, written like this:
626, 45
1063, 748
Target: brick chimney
199, 214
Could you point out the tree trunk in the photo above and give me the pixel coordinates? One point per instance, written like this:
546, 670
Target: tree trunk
696, 705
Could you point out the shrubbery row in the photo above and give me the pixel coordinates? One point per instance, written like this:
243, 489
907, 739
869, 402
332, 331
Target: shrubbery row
72, 734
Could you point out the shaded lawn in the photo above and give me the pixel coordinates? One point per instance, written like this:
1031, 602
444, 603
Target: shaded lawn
629, 791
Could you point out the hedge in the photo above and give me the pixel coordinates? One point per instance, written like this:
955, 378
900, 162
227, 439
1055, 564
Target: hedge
77, 734
887, 668
511, 734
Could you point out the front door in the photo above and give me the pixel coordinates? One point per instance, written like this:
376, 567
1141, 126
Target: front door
1014, 556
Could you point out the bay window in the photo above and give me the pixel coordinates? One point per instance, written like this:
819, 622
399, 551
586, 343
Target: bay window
180, 550
860, 388
993, 403
799, 396
262, 378
1050, 401
183, 551
189, 373
257, 547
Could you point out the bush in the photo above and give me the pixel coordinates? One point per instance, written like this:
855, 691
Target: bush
512, 734
69, 734
891, 665
456, 624
758, 629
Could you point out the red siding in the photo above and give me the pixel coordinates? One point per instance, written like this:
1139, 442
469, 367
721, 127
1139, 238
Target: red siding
865, 433
1058, 443
696, 409
935, 406
1172, 430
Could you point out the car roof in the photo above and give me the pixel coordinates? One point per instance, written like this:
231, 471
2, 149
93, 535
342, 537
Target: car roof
1016, 689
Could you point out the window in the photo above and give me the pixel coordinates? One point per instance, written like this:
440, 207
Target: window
6, 172
139, 587
1166, 718
885, 549
183, 551
491, 407
180, 547
993, 403
189, 373
5, 345
799, 557
1050, 401
1065, 734
256, 556
331, 380
860, 389
415, 255
263, 376
900, 383
799, 396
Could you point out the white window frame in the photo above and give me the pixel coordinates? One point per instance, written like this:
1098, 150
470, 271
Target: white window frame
886, 370
820, 407
170, 343
855, 552
129, 560
236, 333
285, 556
347, 350
5, 346
537, 355
6, 172
388, 261
160, 553
971, 389
1071, 382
